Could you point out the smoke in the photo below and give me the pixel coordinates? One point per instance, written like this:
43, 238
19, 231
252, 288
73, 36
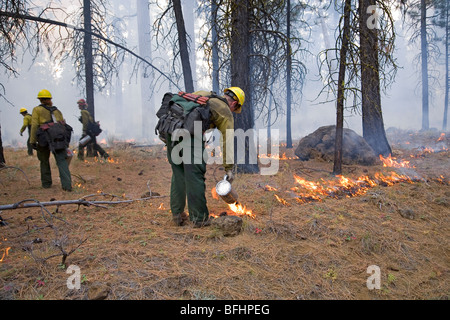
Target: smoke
119, 108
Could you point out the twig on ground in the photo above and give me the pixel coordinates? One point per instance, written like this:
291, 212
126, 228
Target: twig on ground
11, 167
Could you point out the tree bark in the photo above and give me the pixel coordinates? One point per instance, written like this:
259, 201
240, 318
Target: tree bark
447, 75
215, 50
189, 10
337, 166
240, 71
288, 77
184, 51
88, 59
2, 156
424, 54
372, 117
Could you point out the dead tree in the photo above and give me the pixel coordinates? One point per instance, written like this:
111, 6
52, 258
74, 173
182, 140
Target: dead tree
337, 169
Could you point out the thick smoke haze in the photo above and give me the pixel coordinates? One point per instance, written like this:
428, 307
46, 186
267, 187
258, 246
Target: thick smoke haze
120, 115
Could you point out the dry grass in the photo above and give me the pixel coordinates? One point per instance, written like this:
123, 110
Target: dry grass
317, 250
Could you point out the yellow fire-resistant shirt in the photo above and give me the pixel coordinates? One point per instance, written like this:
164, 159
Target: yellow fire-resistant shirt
39, 116
222, 119
26, 122
86, 118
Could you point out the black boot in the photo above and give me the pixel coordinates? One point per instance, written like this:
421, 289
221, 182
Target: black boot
180, 219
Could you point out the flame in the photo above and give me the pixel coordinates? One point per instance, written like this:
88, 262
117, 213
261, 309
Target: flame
269, 188
161, 207
344, 187
5, 251
441, 138
282, 201
392, 162
241, 210
214, 193
101, 160
277, 156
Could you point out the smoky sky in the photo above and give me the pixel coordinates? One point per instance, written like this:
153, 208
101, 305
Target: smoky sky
120, 115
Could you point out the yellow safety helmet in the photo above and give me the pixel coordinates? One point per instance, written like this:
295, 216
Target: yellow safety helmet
44, 94
23, 110
238, 95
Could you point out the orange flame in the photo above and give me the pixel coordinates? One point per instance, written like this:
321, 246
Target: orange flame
277, 156
392, 162
241, 210
161, 207
5, 251
282, 201
441, 138
344, 187
269, 188
214, 193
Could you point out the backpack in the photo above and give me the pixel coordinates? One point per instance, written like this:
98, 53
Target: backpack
93, 129
54, 134
181, 111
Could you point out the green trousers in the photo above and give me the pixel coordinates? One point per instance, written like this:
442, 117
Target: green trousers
29, 147
188, 180
63, 167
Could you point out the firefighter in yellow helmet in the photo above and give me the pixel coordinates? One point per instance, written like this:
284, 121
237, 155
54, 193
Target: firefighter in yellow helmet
26, 125
188, 180
41, 115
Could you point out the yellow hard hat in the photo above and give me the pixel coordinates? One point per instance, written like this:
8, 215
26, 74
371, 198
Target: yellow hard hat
44, 94
239, 96
23, 110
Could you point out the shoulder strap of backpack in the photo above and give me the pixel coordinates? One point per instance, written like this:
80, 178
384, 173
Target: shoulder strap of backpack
214, 95
50, 109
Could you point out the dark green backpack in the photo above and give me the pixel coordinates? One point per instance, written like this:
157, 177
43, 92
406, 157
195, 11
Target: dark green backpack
181, 111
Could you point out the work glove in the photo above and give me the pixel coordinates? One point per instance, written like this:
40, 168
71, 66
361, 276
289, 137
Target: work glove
21, 134
230, 176
34, 146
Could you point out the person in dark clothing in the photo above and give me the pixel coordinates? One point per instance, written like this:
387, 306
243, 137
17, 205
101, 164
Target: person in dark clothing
87, 119
188, 179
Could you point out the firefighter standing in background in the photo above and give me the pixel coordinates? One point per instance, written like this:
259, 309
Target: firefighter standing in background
86, 119
26, 125
41, 115
188, 180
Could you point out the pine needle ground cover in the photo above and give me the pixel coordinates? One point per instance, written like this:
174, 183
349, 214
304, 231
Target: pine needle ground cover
310, 235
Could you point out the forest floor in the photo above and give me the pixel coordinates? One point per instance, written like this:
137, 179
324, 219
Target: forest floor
313, 241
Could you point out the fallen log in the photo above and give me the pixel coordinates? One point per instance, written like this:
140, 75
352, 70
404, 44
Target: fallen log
78, 202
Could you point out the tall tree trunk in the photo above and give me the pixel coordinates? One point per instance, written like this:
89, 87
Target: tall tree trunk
447, 75
288, 77
2, 156
240, 71
424, 53
182, 41
88, 59
215, 51
372, 117
337, 167
189, 10
89, 68
145, 51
